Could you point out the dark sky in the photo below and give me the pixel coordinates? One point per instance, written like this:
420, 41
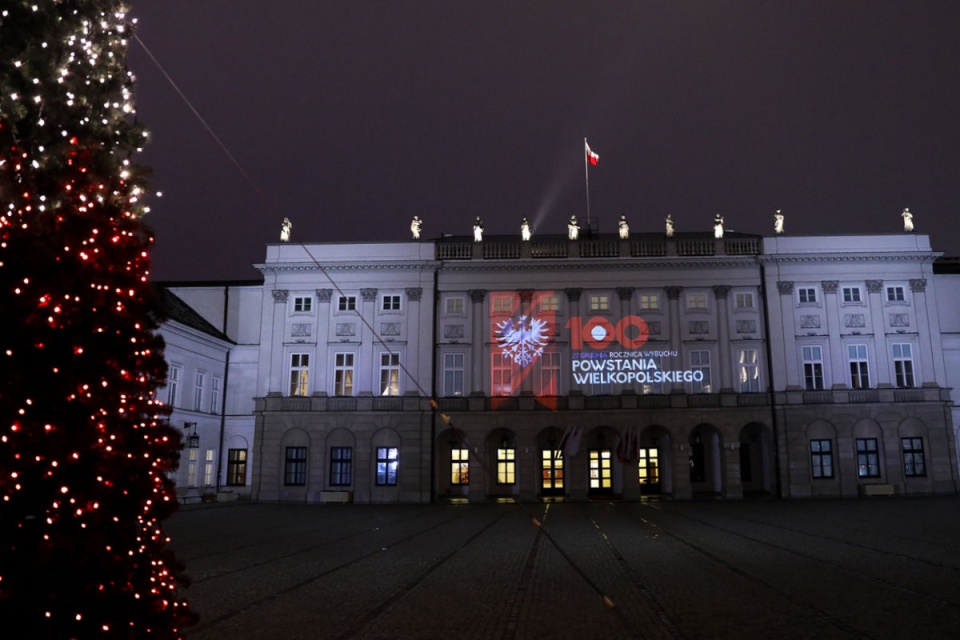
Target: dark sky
351, 117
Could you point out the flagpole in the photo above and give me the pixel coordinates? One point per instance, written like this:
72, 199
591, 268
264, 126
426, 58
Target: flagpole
586, 173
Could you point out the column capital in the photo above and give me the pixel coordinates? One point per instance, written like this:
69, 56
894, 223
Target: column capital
721, 291
573, 295
324, 295
673, 293
369, 295
919, 285
785, 287
414, 293
625, 293
477, 295
874, 286
830, 286
280, 295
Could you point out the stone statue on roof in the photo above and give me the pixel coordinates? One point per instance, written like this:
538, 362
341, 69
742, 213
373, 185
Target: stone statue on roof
573, 228
478, 230
525, 230
415, 226
778, 222
669, 223
718, 226
907, 221
286, 230
624, 228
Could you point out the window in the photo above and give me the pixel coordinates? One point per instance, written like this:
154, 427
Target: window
391, 303
501, 374
859, 371
700, 361
821, 458
389, 374
198, 391
851, 295
302, 305
813, 367
506, 465
343, 374
748, 365
808, 295
649, 302
549, 303
895, 294
502, 304
654, 387
236, 467
299, 373
215, 383
341, 466
452, 374
696, 301
599, 303
295, 467
208, 468
549, 374
347, 303
173, 384
387, 466
868, 460
913, 463
903, 365
454, 305
460, 466
743, 300
192, 468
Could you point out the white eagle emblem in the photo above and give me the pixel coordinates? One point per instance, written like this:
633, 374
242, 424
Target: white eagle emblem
523, 340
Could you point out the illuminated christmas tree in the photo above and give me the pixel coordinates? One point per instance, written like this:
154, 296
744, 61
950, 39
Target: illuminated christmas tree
84, 449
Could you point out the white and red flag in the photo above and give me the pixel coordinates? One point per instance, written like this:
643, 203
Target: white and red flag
592, 158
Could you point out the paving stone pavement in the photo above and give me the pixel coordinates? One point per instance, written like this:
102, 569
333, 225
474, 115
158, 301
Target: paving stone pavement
862, 568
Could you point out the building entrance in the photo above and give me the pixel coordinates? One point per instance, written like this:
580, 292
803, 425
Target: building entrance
649, 467
551, 480
601, 472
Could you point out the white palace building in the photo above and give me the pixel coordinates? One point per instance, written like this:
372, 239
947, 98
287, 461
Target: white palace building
551, 368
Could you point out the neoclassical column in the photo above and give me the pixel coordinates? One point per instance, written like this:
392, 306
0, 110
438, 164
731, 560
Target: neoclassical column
277, 377
831, 310
722, 292
411, 355
573, 311
918, 288
526, 297
324, 314
673, 309
788, 322
367, 377
477, 340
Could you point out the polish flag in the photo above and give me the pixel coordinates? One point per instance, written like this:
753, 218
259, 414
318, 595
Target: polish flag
594, 158
570, 442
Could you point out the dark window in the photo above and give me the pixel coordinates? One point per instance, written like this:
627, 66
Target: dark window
387, 466
913, 463
347, 303
295, 467
821, 458
236, 467
868, 460
341, 466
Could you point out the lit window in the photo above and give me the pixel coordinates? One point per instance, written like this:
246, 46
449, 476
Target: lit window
501, 374
808, 295
599, 303
649, 302
503, 304
198, 391
549, 303
506, 465
302, 305
389, 374
696, 301
813, 367
460, 466
299, 373
391, 303
192, 467
913, 462
821, 458
903, 365
601, 469
347, 303
215, 383
454, 305
387, 466
173, 384
748, 363
341, 466
859, 369
743, 300
549, 374
343, 374
208, 468
236, 467
868, 460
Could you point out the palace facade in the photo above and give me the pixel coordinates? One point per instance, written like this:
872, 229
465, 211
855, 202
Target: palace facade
571, 369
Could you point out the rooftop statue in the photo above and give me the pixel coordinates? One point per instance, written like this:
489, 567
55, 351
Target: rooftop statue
907, 221
718, 226
778, 222
669, 222
624, 228
478, 230
573, 228
415, 226
525, 230
286, 229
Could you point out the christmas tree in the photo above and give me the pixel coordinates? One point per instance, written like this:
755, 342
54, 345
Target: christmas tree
84, 449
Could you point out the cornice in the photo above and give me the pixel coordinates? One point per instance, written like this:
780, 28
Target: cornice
797, 258
347, 266
686, 262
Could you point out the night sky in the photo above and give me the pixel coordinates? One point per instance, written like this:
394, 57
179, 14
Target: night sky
352, 117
